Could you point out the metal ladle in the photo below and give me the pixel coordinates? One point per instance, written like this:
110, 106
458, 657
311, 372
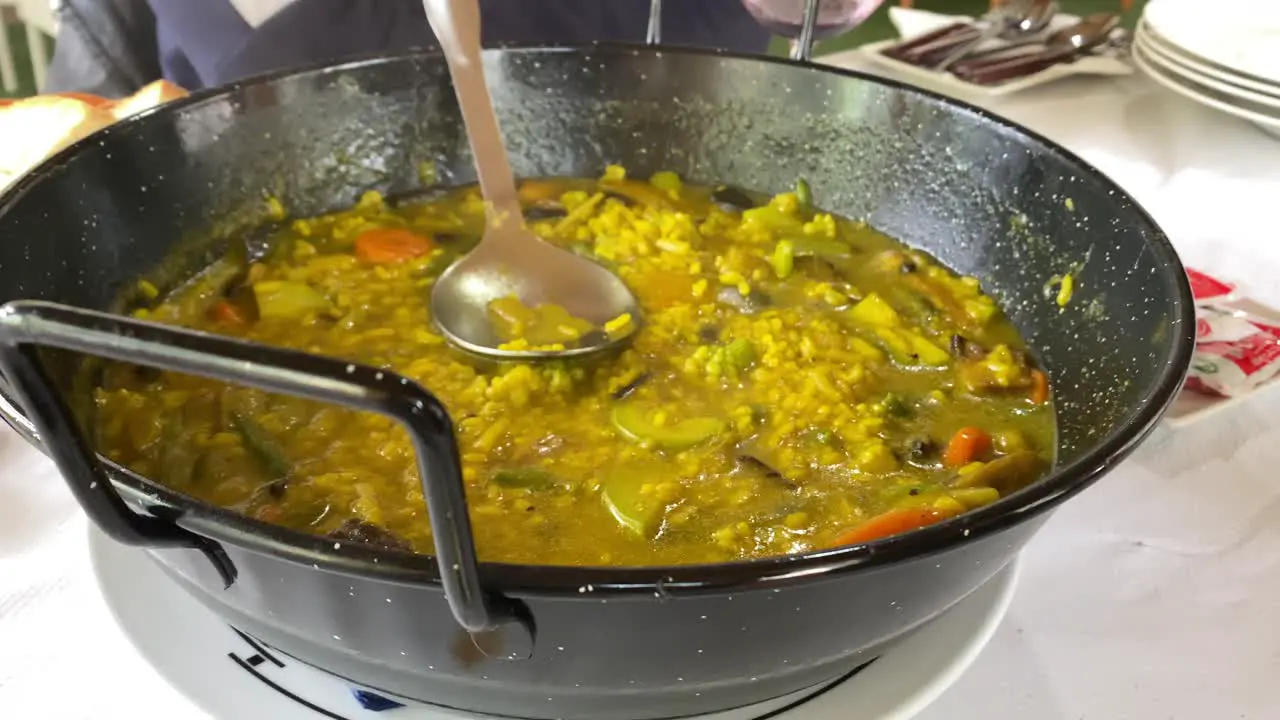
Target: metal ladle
510, 260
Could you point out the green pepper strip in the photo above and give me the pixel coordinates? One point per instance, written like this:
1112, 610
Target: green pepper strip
263, 448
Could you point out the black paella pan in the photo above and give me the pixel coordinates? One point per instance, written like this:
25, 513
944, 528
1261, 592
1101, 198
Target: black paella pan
159, 195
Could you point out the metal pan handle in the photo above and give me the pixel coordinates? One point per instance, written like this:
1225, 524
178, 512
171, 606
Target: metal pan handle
13, 416
27, 325
653, 36
88, 483
802, 48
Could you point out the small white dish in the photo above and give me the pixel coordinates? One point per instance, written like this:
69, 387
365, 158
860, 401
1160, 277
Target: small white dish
1242, 36
1180, 67
1176, 68
1190, 407
1159, 45
1266, 118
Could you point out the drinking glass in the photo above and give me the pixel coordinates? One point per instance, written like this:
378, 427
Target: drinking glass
804, 22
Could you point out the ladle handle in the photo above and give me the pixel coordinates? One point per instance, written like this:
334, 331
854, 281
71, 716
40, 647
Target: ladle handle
26, 326
457, 27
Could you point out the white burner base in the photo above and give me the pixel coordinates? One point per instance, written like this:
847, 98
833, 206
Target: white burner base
231, 678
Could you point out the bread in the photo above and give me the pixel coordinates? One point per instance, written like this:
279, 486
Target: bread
156, 93
37, 127
34, 128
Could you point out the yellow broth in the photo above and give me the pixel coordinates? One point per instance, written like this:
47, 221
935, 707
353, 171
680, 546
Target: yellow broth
800, 381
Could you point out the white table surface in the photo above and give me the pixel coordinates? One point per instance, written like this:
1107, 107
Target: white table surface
1155, 595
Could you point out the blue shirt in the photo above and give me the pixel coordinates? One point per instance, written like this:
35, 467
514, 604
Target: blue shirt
211, 42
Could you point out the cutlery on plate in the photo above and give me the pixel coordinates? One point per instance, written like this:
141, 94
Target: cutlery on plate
1010, 21
1056, 39
1090, 33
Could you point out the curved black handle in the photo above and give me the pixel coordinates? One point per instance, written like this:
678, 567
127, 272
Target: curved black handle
49, 417
26, 325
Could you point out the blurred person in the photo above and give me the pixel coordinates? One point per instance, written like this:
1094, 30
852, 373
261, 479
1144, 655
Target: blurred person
114, 47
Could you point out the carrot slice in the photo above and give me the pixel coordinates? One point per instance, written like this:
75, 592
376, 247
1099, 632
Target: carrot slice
224, 311
892, 522
390, 245
1039, 387
967, 445
269, 514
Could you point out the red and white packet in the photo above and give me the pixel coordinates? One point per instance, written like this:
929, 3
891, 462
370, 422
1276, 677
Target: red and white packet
1235, 352
1208, 290
1237, 348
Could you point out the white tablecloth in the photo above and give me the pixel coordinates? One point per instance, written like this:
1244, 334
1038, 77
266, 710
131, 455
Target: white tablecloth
1154, 596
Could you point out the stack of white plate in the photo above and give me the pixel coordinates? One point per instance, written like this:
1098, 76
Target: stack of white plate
1222, 53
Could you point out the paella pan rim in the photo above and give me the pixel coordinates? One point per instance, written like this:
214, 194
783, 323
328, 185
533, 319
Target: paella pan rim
1061, 484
